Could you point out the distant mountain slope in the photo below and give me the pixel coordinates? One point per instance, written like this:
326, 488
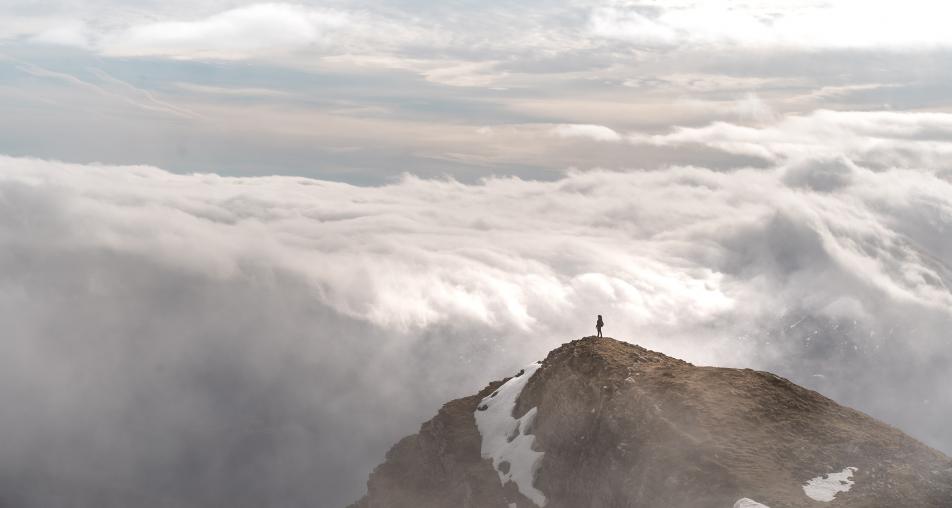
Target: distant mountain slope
602, 423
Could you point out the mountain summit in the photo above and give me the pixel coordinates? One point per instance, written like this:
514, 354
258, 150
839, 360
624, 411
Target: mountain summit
604, 423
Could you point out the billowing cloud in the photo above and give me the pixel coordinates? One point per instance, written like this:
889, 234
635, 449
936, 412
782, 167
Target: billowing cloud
879, 138
204, 339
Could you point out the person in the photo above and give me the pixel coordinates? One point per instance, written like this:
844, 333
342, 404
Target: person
599, 324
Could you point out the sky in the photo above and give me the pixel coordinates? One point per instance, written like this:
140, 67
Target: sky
245, 247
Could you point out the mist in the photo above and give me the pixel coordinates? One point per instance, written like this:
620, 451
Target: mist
202, 340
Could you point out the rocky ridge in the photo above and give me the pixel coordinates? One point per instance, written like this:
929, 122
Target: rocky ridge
602, 423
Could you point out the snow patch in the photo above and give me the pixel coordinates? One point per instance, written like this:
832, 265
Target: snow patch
825, 488
748, 503
507, 440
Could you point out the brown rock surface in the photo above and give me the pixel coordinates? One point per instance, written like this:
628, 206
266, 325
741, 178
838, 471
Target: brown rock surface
622, 426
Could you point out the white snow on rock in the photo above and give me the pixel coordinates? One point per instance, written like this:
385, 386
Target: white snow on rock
748, 503
506, 440
825, 488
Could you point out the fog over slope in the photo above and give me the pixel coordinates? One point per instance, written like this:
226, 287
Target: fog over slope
201, 339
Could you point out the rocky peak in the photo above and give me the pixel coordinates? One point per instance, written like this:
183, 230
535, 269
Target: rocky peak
604, 423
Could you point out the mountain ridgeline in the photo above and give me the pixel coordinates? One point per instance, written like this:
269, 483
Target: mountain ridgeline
606, 424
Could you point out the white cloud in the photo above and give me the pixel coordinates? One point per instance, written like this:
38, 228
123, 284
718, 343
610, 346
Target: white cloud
237, 33
435, 70
596, 132
276, 28
702, 83
632, 26
881, 138
232, 91
67, 33
463, 73
129, 285
774, 23
753, 108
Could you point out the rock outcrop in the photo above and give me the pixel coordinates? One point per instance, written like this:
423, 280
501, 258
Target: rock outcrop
603, 423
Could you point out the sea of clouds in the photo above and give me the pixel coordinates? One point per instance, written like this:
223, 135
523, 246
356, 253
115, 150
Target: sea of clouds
204, 340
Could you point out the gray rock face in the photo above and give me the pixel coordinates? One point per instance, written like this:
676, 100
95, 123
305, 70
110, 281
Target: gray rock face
622, 426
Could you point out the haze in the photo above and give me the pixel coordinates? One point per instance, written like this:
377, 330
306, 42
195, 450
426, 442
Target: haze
245, 247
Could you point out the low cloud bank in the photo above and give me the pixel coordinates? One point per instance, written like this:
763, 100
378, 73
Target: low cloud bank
876, 139
262, 341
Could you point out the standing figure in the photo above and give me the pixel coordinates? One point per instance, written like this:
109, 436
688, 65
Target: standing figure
599, 324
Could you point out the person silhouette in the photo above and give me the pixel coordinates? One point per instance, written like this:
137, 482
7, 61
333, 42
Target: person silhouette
599, 324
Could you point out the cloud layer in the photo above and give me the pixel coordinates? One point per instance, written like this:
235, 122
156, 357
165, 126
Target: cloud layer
362, 90
204, 339
879, 139
776, 23
249, 29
